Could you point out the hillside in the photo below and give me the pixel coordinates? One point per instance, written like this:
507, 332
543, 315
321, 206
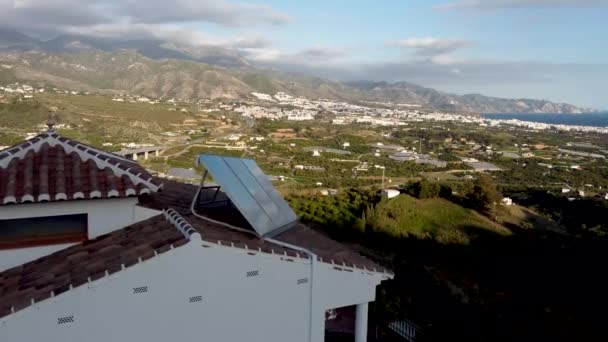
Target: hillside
127, 71
435, 218
156, 68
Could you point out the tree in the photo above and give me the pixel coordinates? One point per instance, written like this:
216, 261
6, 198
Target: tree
424, 189
485, 195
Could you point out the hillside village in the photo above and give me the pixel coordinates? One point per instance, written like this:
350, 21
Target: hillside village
234, 127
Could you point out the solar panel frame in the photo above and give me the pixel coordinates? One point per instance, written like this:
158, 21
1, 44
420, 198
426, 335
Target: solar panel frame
251, 192
257, 190
285, 209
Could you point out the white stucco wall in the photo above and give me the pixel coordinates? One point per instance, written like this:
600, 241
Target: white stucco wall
269, 307
104, 216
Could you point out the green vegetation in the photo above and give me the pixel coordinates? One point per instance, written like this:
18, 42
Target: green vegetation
7, 76
102, 107
436, 218
479, 272
484, 196
188, 157
530, 172
22, 114
338, 215
7, 139
355, 213
426, 189
585, 217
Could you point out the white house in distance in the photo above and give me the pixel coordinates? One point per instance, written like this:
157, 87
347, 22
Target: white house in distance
390, 193
94, 249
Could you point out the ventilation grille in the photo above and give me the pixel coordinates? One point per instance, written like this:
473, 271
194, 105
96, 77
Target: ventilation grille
141, 289
196, 299
302, 281
253, 273
66, 319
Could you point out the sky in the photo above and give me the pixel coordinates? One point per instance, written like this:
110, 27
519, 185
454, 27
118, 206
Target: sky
547, 49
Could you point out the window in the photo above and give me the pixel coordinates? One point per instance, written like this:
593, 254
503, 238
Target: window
42, 231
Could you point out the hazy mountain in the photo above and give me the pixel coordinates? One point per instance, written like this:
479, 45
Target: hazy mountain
403, 92
14, 39
156, 68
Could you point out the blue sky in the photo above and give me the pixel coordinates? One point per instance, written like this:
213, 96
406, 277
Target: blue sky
547, 49
565, 45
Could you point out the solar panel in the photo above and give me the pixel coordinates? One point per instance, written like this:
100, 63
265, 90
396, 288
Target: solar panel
251, 192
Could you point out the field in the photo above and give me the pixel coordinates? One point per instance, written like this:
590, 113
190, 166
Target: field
96, 119
104, 107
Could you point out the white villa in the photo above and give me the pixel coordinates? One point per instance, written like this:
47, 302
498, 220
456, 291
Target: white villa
95, 249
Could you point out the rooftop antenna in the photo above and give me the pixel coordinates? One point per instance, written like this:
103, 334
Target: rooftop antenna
51, 122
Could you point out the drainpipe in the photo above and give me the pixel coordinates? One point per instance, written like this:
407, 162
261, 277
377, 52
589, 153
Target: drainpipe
313, 261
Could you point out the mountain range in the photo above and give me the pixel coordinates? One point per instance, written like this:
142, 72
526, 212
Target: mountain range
160, 69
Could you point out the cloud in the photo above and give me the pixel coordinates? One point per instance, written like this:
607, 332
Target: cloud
253, 41
175, 23
169, 33
506, 4
50, 15
430, 46
313, 56
319, 53
450, 73
478, 72
57, 16
264, 55
215, 11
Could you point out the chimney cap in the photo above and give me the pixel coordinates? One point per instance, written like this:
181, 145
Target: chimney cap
51, 122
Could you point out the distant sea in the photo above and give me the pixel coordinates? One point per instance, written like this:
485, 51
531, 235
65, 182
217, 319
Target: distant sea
591, 119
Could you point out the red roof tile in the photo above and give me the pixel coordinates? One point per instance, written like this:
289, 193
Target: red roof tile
53, 168
88, 261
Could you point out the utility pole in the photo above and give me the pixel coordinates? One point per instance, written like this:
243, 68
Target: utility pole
383, 168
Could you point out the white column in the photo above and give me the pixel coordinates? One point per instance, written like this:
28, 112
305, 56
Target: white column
361, 323
146, 155
134, 156
156, 153
317, 333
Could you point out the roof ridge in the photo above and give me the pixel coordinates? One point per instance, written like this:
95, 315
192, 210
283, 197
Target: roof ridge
85, 152
182, 225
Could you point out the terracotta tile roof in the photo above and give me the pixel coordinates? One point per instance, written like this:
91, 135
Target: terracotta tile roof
77, 265
175, 195
49, 167
179, 196
328, 250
